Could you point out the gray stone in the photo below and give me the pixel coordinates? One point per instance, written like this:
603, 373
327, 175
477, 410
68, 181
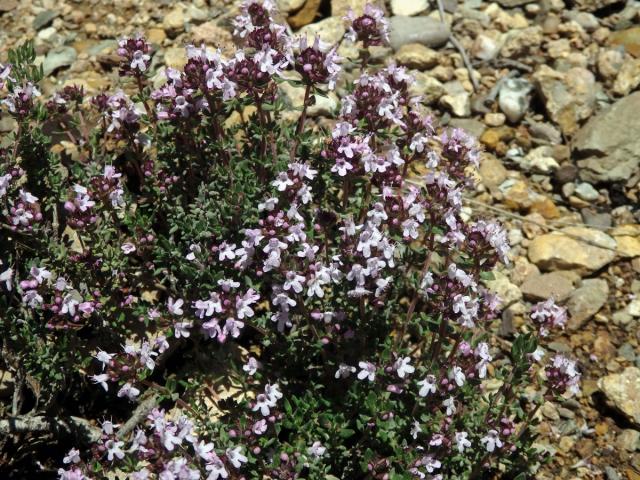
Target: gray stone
43, 19
595, 219
469, 125
569, 97
586, 192
424, 30
513, 98
622, 391
586, 301
547, 285
58, 58
627, 352
102, 47
628, 440
567, 173
609, 144
586, 20
611, 473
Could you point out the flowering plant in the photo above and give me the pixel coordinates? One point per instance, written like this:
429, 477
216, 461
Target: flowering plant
260, 297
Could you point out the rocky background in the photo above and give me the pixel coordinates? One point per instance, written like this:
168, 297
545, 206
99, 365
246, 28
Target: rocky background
550, 88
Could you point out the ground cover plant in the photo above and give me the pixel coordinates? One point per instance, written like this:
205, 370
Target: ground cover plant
210, 289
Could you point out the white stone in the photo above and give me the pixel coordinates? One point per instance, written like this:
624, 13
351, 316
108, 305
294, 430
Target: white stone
408, 7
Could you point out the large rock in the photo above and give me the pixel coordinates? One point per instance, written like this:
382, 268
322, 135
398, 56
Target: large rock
609, 144
628, 78
554, 285
564, 251
424, 30
58, 58
569, 97
330, 30
628, 239
586, 301
622, 391
593, 5
629, 39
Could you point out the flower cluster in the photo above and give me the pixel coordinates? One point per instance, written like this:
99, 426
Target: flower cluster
371, 28
168, 448
135, 56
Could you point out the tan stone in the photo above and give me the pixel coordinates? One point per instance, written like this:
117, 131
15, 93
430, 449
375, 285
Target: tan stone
545, 207
628, 239
492, 171
629, 39
156, 35
211, 34
175, 57
622, 391
564, 251
416, 55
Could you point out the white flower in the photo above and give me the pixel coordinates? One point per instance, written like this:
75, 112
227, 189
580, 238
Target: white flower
26, 197
402, 367
415, 429
139, 60
430, 463
235, 457
103, 357
251, 367
203, 450
73, 456
344, 370
293, 281
457, 375
128, 248
101, 380
175, 308
492, 440
259, 427
40, 274
368, 371
427, 386
114, 449
462, 441
216, 467
316, 450
450, 405
7, 277
181, 329
129, 391
263, 404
